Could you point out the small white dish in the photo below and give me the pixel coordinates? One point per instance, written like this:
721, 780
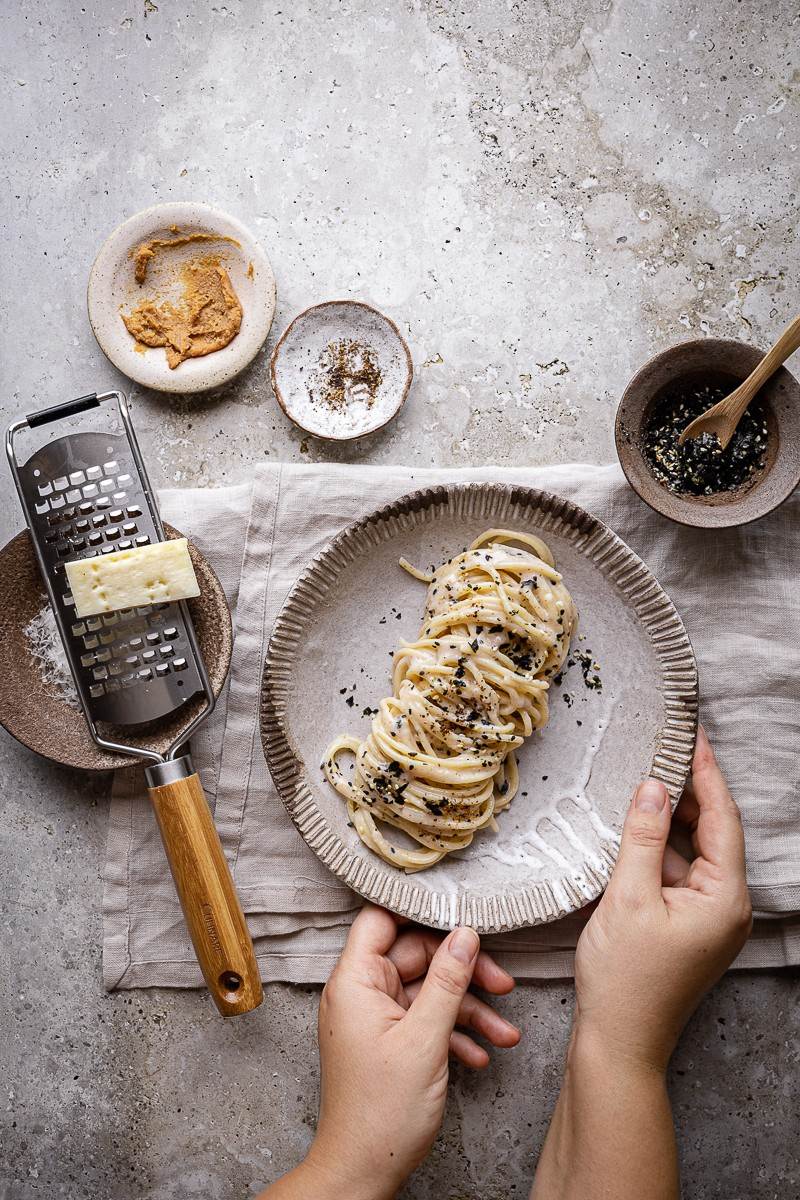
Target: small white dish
113, 287
341, 370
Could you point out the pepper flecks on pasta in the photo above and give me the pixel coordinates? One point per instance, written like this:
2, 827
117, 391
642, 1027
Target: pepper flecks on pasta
439, 762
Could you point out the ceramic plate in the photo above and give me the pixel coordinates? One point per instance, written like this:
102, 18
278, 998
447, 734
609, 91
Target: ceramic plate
341, 370
37, 714
557, 841
112, 287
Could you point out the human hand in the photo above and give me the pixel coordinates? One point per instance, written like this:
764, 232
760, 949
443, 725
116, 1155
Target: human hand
666, 928
387, 1022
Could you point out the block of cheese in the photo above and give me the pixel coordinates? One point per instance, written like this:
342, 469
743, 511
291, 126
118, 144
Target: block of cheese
132, 578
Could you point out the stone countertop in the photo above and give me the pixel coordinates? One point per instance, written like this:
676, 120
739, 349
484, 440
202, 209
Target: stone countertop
541, 197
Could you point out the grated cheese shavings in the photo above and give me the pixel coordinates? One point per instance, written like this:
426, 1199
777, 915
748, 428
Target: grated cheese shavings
47, 650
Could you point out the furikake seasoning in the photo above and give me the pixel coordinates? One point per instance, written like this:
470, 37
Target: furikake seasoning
701, 467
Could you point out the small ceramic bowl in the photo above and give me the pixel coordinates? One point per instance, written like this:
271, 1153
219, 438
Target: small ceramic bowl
341, 370
40, 717
719, 362
113, 287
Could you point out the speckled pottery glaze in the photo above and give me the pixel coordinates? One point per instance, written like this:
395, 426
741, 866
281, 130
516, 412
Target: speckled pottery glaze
723, 361
296, 357
36, 715
112, 287
558, 840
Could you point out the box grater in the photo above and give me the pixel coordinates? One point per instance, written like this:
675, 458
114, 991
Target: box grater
86, 494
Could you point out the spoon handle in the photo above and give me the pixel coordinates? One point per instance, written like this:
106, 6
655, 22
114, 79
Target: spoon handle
787, 343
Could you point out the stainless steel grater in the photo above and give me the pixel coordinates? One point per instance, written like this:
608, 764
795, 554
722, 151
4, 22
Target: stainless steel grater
87, 494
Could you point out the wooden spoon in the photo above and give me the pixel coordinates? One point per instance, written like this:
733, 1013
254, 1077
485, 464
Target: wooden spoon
723, 417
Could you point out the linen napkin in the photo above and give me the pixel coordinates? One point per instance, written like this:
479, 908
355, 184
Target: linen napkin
735, 590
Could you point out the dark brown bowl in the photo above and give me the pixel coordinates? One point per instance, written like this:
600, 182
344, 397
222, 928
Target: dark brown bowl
718, 361
36, 715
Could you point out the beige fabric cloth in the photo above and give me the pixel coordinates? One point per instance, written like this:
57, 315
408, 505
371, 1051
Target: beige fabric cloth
736, 591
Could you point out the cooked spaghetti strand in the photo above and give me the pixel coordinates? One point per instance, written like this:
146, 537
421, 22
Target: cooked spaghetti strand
439, 762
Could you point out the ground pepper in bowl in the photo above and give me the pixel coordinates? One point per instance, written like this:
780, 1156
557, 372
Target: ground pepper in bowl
700, 467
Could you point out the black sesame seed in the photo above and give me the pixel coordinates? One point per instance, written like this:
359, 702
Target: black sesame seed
701, 467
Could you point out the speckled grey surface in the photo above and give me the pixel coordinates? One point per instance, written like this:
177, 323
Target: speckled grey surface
541, 197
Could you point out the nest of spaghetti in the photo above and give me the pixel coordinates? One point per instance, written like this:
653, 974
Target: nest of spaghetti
439, 762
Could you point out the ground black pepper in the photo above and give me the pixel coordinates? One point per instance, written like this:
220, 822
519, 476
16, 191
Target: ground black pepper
701, 467
350, 370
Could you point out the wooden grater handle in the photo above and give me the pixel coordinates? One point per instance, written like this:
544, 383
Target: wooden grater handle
203, 880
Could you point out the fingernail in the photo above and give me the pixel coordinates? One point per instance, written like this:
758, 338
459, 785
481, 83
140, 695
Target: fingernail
651, 796
463, 945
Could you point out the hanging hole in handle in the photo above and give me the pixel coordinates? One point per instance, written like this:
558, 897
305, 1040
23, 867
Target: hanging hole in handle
230, 981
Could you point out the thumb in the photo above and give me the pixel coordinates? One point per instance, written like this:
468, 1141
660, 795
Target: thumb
449, 975
644, 836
